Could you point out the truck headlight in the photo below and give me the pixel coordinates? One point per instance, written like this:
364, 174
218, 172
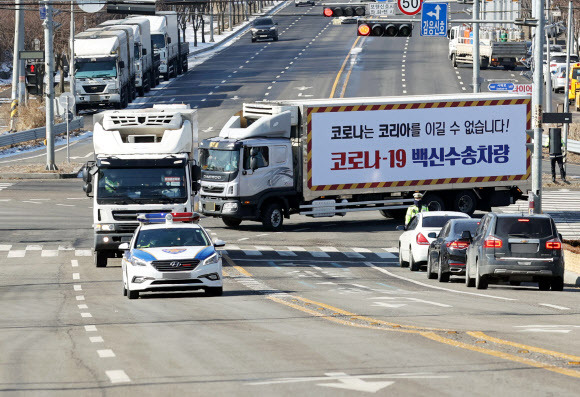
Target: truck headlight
105, 227
212, 260
273, 28
230, 207
139, 262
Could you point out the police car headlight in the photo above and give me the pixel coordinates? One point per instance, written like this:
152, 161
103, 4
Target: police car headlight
230, 207
105, 227
139, 262
212, 260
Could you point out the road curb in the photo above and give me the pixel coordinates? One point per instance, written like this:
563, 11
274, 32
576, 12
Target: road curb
39, 175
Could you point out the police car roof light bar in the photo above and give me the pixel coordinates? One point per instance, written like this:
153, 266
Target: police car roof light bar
169, 217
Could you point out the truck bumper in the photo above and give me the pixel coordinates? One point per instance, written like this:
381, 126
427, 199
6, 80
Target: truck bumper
138, 81
163, 68
101, 99
218, 207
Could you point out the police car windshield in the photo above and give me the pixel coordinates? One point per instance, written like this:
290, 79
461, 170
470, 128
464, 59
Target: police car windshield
173, 237
219, 160
142, 185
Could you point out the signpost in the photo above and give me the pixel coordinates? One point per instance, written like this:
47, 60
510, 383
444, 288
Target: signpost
381, 8
67, 101
434, 20
410, 7
501, 86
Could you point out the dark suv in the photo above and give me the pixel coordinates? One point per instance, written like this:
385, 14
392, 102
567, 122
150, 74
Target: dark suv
515, 248
264, 28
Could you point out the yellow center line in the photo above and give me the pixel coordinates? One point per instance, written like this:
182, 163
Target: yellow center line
342, 68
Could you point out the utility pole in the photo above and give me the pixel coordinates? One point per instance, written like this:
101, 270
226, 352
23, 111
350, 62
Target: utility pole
475, 46
49, 88
71, 66
537, 105
17, 64
567, 86
548, 77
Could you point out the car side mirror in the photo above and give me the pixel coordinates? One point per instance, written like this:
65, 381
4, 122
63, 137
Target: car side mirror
401, 227
466, 235
219, 243
124, 247
432, 235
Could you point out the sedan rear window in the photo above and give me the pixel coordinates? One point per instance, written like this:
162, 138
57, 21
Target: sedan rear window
523, 227
437, 221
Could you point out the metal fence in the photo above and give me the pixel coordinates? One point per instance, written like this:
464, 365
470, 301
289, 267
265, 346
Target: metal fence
39, 133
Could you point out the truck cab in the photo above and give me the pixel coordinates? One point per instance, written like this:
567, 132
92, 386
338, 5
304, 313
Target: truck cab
145, 162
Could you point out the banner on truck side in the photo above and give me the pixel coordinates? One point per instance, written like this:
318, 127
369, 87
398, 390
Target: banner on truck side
355, 147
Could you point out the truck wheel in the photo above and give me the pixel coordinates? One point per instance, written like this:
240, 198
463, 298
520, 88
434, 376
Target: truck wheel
125, 98
454, 60
140, 91
273, 217
232, 222
465, 201
100, 259
185, 66
434, 202
253, 40
484, 63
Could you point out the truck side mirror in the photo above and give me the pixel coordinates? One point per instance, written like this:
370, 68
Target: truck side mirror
169, 40
144, 51
121, 64
254, 163
87, 177
466, 235
88, 188
195, 178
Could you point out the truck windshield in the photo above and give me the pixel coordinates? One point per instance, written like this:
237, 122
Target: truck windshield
96, 69
219, 160
158, 40
141, 185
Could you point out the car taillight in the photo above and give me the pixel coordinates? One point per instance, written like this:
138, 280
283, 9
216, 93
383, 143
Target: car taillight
553, 244
458, 245
421, 240
492, 242
553, 65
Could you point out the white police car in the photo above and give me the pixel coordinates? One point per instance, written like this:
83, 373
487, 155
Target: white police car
171, 252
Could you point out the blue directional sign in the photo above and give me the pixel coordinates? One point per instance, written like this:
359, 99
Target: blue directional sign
501, 86
434, 19
42, 11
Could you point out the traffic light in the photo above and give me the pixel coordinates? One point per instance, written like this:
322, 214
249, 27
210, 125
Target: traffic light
34, 78
384, 29
344, 10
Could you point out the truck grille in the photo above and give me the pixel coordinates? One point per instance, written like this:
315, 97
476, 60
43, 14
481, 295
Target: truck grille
94, 89
176, 265
140, 120
126, 227
213, 189
128, 216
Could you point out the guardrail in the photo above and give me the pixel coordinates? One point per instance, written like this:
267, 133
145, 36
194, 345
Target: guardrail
39, 133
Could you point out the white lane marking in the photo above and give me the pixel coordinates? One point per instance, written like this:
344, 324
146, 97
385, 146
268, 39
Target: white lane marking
96, 339
328, 249
74, 263
556, 331
117, 376
66, 205
16, 254
34, 248
42, 199
554, 306
429, 302
264, 248
76, 276
77, 287
49, 253
433, 286
80, 297
83, 306
83, 253
105, 353
299, 249
90, 328
5, 247
86, 315
263, 234
361, 250
243, 239
31, 202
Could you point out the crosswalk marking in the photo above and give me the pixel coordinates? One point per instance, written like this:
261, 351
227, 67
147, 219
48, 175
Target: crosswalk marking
16, 253
5, 185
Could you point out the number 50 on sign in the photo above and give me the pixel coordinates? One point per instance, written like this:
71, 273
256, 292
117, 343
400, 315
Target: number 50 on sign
410, 7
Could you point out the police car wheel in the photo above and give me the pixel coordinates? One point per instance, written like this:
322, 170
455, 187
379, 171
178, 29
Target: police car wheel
214, 291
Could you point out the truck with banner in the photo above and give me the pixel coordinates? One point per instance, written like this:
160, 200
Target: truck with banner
326, 157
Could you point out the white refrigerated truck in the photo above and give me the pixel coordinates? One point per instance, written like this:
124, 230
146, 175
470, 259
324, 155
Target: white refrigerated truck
327, 157
145, 162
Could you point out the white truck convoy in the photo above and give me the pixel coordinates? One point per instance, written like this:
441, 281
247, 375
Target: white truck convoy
111, 72
145, 162
327, 157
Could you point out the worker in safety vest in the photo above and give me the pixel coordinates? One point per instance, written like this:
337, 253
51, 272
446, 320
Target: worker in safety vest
417, 207
111, 182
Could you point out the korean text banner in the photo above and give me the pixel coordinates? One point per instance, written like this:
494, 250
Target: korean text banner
414, 144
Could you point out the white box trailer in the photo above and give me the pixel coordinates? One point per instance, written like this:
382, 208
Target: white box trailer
326, 157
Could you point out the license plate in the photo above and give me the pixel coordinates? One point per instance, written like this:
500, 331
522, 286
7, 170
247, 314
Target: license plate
524, 263
94, 98
209, 206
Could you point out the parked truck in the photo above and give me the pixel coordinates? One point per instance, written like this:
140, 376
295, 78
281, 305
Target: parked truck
145, 161
167, 43
327, 157
497, 47
102, 72
143, 56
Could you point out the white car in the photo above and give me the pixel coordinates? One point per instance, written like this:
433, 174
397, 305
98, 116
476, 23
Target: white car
558, 59
559, 79
171, 252
418, 235
301, 2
